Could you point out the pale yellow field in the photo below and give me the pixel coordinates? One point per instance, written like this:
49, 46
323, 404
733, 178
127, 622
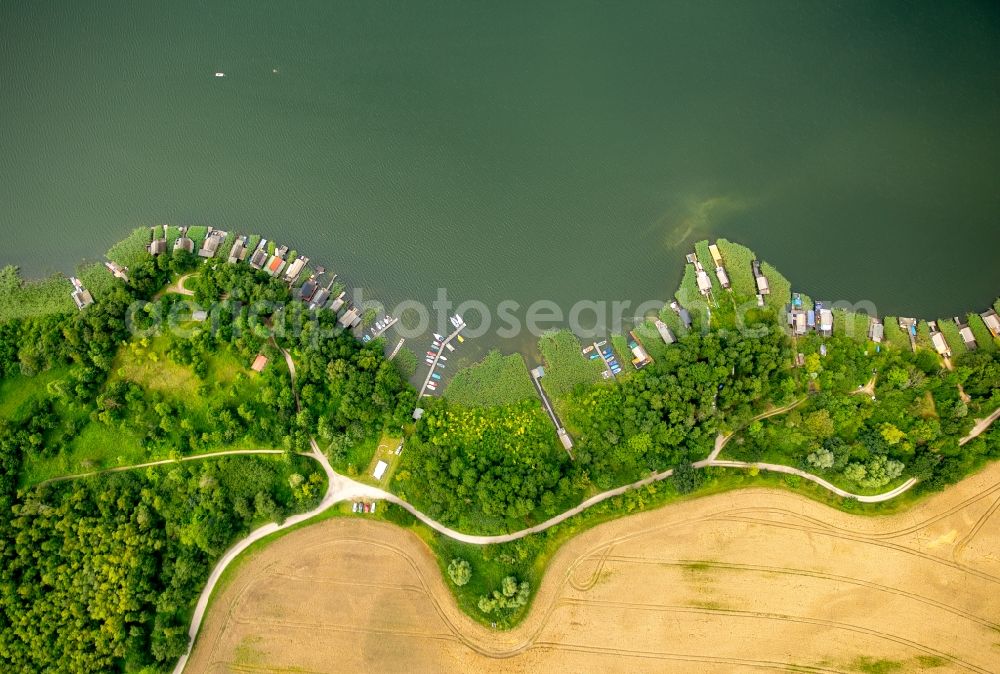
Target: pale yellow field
756, 580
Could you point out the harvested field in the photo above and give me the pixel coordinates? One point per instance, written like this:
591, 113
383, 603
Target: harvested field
754, 580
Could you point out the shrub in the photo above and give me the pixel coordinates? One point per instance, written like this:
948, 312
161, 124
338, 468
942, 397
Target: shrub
459, 571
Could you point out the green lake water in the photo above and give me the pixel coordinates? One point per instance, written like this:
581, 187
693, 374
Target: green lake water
518, 150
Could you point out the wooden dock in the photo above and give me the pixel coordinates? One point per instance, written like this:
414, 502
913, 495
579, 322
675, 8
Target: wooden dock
396, 350
378, 333
437, 357
564, 438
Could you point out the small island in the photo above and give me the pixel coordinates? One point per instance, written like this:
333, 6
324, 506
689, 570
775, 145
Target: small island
200, 393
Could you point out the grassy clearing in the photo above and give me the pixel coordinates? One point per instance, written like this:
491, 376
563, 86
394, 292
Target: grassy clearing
97, 279
851, 324
650, 337
895, 335
131, 250
673, 321
21, 299
984, 338
781, 288
924, 336
197, 234
18, 391
565, 366
949, 329
738, 262
619, 344
355, 458
495, 380
385, 450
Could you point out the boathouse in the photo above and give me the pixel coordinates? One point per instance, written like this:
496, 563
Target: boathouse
211, 243
183, 242
876, 330
965, 332
338, 303
274, 265
758, 275
81, 296
238, 251
939, 342
797, 321
992, 322
307, 290
665, 334
320, 298
158, 245
640, 358
295, 268
350, 318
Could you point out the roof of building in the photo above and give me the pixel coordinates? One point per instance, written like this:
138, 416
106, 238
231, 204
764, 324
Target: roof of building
320, 298
295, 268
992, 322
338, 303
877, 331
380, 469
967, 335
274, 265
211, 244
157, 246
939, 343
825, 319
704, 283
665, 334
762, 286
259, 362
307, 289
82, 298
350, 318
184, 243
258, 259
716, 255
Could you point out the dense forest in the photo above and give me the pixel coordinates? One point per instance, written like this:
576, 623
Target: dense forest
501, 468
907, 424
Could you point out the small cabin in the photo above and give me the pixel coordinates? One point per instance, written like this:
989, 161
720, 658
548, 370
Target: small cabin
238, 251
940, 343
965, 332
640, 358
876, 330
665, 334
992, 322
295, 268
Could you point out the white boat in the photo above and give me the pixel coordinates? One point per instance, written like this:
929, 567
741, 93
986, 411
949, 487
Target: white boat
220, 74
438, 337
450, 347
443, 357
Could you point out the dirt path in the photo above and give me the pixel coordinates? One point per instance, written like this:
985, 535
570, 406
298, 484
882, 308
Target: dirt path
752, 580
980, 427
721, 440
178, 287
162, 462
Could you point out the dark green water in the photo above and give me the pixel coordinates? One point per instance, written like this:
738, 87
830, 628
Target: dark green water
509, 150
